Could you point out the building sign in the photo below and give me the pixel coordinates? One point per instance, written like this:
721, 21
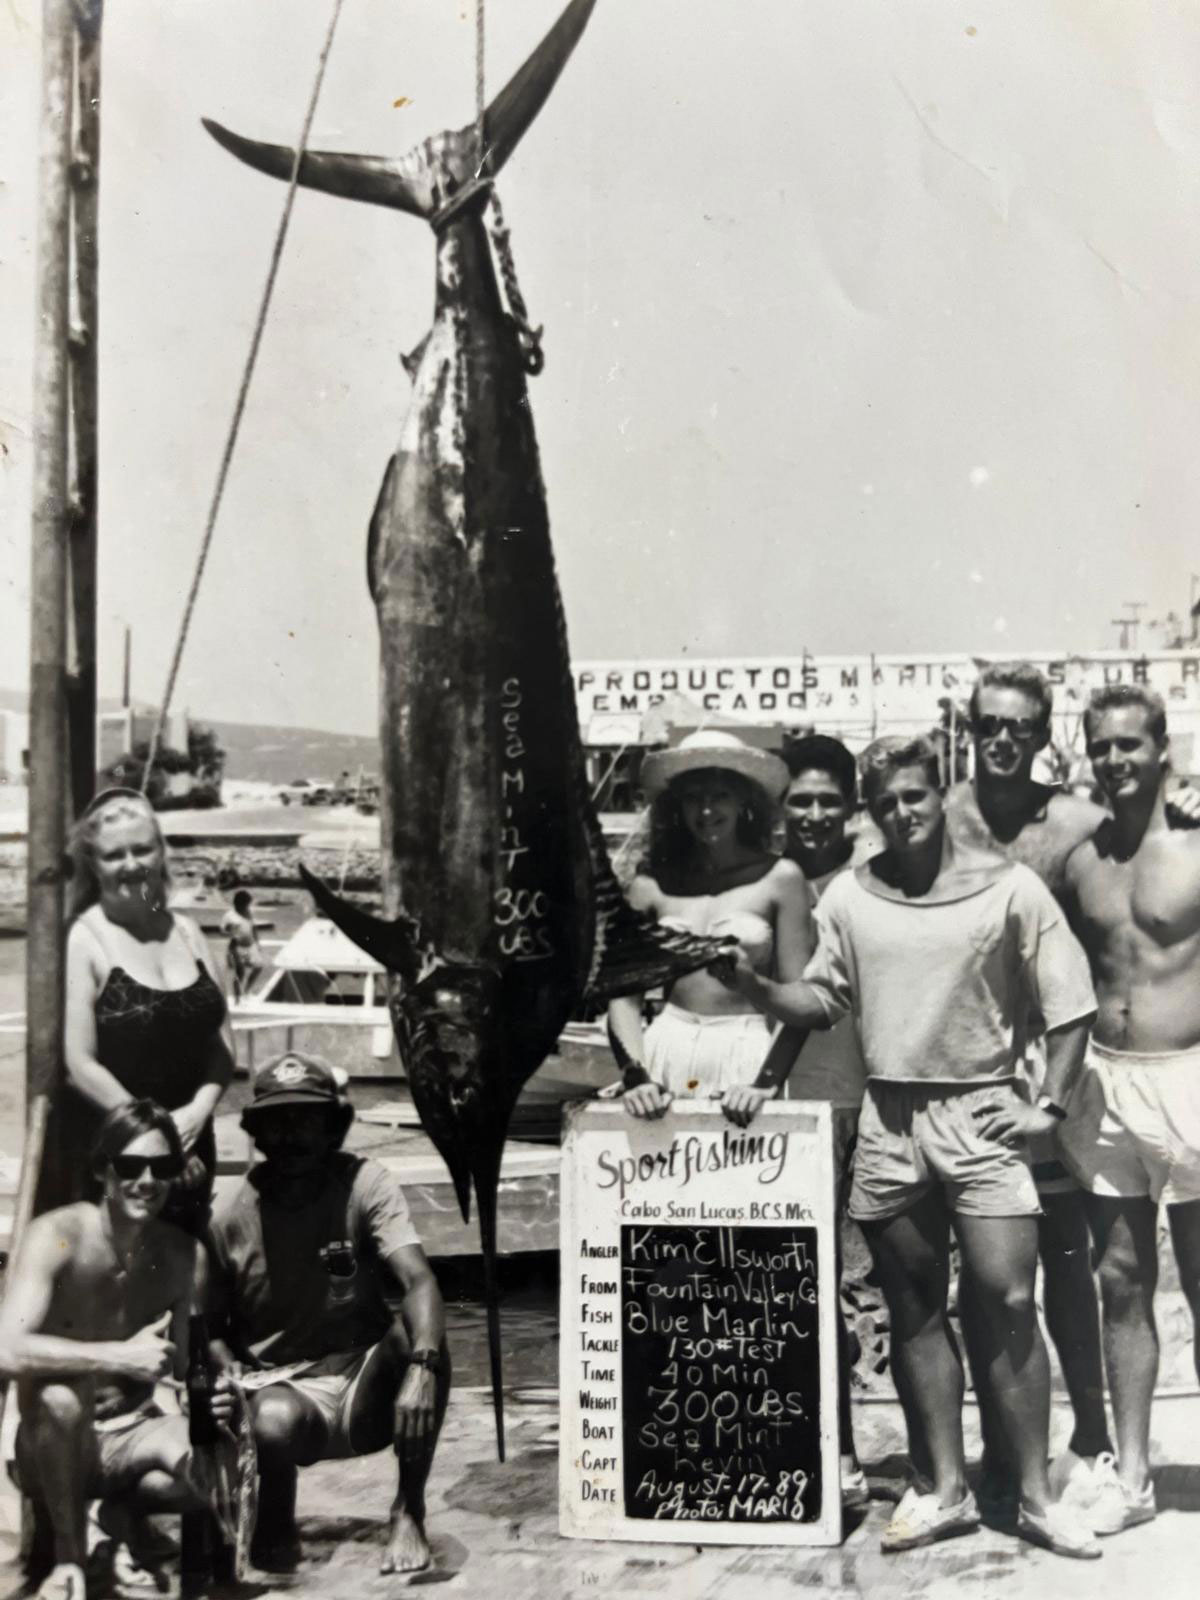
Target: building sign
698, 1379
853, 694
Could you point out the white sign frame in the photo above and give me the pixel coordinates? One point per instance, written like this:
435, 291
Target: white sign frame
615, 1170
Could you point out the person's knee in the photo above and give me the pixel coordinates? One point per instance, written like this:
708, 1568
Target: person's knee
58, 1408
1126, 1285
280, 1425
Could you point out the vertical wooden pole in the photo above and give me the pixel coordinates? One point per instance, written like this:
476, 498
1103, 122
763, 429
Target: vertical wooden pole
85, 331
48, 583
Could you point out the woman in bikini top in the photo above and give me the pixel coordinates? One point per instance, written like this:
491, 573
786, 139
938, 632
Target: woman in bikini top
710, 870
145, 1010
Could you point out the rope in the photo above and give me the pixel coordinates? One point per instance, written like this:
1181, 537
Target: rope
479, 85
243, 390
529, 337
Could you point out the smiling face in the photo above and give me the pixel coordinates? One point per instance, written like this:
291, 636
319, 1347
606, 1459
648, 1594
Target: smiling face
1127, 759
129, 859
709, 803
817, 812
141, 1195
1008, 733
907, 808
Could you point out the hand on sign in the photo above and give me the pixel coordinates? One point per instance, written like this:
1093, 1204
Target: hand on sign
742, 1103
647, 1100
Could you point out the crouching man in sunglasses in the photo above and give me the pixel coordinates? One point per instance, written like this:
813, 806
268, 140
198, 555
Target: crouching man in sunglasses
94, 1316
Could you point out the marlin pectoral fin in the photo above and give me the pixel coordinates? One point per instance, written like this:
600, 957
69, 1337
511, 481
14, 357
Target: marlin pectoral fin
526, 92
375, 179
638, 953
395, 945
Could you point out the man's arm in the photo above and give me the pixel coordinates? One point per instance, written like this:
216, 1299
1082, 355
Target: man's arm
424, 1318
25, 1352
798, 1004
1010, 1119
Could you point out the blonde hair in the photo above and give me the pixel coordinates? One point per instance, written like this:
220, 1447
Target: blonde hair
111, 805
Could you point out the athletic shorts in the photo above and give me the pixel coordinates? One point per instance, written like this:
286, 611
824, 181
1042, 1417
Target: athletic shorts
329, 1385
913, 1136
696, 1057
132, 1444
1134, 1127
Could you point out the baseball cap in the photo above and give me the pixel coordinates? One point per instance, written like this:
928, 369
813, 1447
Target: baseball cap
293, 1079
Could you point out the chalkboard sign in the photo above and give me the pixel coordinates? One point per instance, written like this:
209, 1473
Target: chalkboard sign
698, 1347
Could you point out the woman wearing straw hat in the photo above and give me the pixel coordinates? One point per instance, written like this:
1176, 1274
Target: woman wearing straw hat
145, 1012
711, 870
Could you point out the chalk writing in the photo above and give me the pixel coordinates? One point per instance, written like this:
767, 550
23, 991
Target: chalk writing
720, 1373
519, 912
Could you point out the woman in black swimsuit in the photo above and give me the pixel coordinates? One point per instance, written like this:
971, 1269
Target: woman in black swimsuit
145, 1011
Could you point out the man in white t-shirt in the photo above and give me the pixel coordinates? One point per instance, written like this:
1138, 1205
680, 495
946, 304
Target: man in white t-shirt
941, 957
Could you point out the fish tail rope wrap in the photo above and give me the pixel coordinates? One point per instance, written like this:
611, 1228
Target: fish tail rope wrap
529, 337
243, 390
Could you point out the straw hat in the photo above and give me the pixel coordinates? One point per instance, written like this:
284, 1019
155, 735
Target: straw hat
714, 749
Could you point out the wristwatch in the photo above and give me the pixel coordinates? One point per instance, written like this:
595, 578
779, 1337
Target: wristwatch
431, 1360
1044, 1103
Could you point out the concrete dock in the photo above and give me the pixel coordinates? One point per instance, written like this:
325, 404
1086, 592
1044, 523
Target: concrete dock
494, 1530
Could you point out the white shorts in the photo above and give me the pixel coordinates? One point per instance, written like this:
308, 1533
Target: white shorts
1134, 1127
696, 1057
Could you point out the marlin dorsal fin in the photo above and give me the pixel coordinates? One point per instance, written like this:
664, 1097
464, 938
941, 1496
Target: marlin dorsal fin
395, 945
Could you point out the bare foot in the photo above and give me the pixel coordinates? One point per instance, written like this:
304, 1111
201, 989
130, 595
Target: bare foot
408, 1549
65, 1582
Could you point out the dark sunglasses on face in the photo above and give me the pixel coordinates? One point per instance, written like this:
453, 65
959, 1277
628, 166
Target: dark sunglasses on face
162, 1168
1015, 727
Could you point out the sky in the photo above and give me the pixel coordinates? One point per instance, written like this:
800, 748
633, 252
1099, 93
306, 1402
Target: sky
868, 326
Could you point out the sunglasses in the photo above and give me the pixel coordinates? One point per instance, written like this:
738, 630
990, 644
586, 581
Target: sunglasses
163, 1168
1015, 727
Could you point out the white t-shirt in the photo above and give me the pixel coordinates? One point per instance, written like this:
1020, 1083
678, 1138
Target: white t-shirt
942, 991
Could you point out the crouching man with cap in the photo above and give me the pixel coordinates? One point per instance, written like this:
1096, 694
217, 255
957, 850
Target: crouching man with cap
331, 1317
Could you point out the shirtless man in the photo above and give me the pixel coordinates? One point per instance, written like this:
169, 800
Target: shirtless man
1133, 1137
1005, 809
95, 1314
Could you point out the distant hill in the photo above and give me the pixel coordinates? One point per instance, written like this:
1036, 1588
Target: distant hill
277, 755
265, 752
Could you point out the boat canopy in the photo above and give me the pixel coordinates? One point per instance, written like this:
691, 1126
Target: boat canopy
318, 946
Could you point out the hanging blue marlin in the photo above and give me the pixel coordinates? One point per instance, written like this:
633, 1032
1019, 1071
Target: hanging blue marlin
503, 917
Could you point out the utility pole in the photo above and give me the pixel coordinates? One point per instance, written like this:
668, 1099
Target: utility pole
85, 333
44, 979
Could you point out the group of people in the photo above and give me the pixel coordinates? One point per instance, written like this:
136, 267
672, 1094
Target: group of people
996, 989
327, 1327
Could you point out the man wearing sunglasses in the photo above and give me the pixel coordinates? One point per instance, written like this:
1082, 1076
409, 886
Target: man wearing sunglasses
93, 1319
1005, 808
329, 1312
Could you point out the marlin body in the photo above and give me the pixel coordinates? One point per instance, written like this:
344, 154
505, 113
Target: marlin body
502, 916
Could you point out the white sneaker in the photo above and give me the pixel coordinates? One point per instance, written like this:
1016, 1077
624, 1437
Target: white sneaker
1118, 1507
1061, 1529
856, 1492
922, 1519
1081, 1481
